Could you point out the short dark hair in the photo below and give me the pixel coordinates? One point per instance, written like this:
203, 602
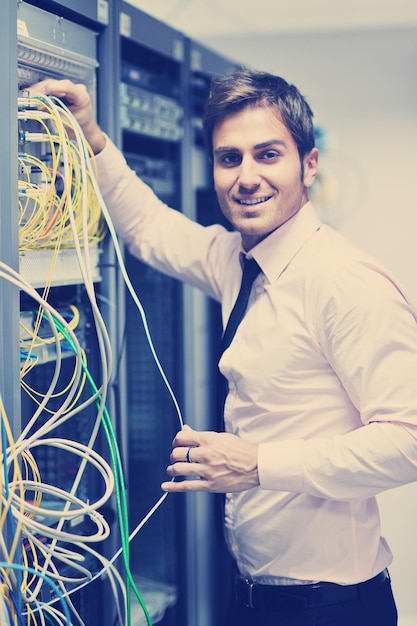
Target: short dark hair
246, 88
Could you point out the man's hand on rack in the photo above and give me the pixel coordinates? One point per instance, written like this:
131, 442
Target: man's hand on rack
77, 99
210, 461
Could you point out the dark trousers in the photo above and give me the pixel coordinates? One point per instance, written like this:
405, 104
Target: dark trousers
373, 605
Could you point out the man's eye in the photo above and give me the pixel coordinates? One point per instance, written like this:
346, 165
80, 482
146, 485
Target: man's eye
230, 159
270, 155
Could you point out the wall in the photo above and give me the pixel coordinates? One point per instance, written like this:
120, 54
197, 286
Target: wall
363, 89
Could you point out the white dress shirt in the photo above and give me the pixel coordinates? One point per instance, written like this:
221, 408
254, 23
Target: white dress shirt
322, 375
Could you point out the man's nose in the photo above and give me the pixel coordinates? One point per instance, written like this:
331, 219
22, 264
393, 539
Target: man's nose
249, 177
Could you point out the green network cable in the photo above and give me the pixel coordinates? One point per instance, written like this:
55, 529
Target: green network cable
120, 489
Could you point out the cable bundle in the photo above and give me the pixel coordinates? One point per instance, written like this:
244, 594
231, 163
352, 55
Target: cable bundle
54, 183
50, 546
47, 559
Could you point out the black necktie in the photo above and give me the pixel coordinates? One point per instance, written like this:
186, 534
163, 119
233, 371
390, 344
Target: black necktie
250, 271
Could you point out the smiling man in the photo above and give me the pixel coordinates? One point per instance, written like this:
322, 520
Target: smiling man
259, 178
321, 409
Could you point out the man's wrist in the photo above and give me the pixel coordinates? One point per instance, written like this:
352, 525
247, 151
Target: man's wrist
96, 139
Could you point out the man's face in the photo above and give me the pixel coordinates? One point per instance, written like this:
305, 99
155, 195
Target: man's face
257, 172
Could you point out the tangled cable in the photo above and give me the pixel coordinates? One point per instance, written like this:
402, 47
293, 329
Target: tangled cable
44, 556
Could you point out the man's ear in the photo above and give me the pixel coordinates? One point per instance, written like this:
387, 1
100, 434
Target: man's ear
311, 161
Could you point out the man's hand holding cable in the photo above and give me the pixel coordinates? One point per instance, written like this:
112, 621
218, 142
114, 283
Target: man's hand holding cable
216, 462
78, 101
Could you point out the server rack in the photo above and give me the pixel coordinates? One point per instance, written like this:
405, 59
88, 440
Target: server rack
151, 51
52, 42
151, 134
154, 119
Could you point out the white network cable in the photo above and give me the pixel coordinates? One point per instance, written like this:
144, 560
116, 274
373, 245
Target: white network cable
29, 525
29, 518
25, 442
81, 140
4, 614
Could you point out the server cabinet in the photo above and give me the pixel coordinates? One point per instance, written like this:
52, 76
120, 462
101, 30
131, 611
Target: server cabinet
92, 12
151, 134
161, 68
50, 332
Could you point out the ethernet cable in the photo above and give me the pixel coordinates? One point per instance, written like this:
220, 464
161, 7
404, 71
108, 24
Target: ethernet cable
81, 141
23, 443
5, 614
27, 287
98, 396
51, 208
44, 210
86, 275
122, 508
15, 566
77, 188
18, 280
125, 275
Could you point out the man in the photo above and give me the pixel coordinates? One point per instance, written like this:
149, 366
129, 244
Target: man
321, 410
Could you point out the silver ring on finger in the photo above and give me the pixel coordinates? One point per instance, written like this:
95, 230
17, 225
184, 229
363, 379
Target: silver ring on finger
188, 455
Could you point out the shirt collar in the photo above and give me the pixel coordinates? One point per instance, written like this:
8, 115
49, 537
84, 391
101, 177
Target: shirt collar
275, 252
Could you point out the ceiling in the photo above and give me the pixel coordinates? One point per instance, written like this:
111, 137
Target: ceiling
208, 19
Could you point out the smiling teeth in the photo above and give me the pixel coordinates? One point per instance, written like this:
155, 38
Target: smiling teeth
253, 201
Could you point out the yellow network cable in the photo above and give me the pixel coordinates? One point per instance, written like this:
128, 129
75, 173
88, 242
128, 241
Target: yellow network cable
29, 463
37, 396
59, 211
85, 453
61, 207
38, 341
6, 606
9, 457
47, 221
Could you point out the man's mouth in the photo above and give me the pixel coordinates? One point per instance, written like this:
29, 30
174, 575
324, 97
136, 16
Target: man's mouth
252, 201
